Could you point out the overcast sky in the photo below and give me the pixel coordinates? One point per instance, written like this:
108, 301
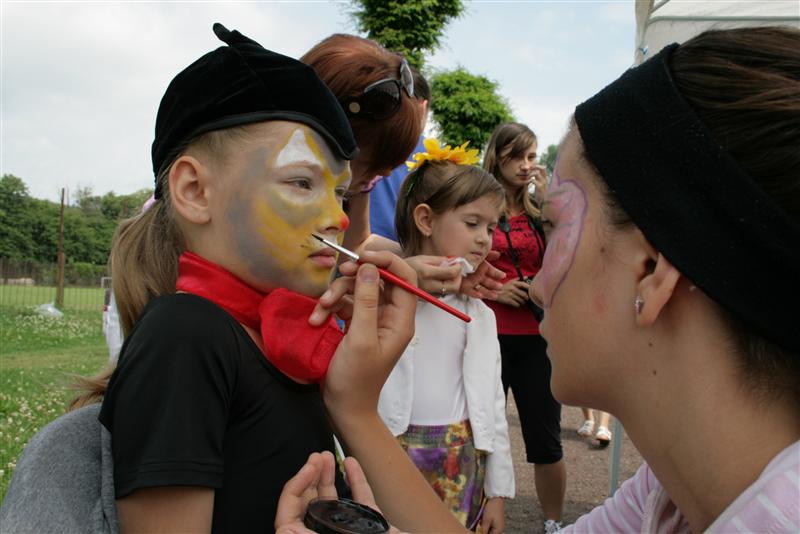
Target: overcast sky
81, 81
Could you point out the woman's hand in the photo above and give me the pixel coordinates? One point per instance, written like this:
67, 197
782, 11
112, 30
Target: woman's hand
514, 293
486, 281
494, 516
380, 320
437, 279
539, 178
317, 479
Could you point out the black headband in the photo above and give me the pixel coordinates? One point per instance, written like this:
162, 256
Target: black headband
692, 200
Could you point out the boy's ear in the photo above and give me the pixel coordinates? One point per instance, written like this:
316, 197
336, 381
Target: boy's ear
423, 219
656, 288
188, 186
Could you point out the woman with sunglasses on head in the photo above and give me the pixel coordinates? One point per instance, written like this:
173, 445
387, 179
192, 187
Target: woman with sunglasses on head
668, 181
376, 89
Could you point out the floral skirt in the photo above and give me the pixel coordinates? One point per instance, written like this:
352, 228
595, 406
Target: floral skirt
447, 458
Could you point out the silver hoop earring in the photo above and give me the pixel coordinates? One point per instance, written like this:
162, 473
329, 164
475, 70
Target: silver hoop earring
638, 304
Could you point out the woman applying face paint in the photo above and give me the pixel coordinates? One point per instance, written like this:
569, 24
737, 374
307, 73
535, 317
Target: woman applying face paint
668, 182
376, 89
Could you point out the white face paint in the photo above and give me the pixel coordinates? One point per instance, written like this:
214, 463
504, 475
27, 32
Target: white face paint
297, 151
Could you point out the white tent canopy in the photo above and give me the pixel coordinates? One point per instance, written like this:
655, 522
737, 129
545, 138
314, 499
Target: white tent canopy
659, 23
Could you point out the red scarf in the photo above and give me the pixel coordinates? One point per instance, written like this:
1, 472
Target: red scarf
295, 347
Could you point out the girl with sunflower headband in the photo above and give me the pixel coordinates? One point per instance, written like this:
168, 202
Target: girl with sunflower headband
444, 399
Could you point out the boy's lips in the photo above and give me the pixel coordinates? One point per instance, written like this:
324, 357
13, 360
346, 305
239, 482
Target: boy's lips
324, 257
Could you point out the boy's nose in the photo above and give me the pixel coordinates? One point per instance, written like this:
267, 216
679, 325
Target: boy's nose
334, 220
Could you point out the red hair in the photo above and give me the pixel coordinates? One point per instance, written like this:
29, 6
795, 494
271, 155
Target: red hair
347, 64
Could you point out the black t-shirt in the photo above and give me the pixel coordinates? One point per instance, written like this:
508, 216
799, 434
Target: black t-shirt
193, 402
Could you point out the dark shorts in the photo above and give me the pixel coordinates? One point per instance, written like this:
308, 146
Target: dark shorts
526, 370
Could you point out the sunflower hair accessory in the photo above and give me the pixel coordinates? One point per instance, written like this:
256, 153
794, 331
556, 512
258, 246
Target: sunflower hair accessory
435, 152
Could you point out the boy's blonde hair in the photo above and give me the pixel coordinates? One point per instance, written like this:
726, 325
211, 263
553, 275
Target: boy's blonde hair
145, 251
443, 186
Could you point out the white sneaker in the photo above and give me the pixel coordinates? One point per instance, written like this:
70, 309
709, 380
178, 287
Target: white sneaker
586, 429
551, 526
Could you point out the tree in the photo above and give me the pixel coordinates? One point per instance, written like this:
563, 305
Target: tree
410, 27
467, 107
15, 239
29, 226
548, 158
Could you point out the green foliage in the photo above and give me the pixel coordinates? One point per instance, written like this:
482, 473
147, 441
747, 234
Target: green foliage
548, 158
15, 241
410, 27
29, 226
467, 107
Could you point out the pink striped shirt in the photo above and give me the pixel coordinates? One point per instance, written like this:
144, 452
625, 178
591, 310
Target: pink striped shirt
770, 504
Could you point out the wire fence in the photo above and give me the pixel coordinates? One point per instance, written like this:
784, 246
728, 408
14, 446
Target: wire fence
28, 283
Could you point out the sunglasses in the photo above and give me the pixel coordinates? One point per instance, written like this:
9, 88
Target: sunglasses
380, 100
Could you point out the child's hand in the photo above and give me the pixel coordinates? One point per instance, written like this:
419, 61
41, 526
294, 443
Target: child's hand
316, 479
380, 326
494, 516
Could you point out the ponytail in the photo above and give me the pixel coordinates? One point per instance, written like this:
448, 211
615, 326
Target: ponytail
144, 265
144, 257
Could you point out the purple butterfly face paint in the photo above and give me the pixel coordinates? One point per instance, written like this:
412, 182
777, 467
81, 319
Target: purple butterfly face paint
566, 206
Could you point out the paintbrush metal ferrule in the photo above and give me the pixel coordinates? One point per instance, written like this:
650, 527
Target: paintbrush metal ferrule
338, 248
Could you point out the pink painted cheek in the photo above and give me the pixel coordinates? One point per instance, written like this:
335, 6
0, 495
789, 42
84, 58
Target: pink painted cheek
568, 202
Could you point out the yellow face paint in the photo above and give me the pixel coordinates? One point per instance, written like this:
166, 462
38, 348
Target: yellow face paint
298, 192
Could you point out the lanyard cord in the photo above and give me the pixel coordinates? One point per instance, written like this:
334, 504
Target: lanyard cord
505, 227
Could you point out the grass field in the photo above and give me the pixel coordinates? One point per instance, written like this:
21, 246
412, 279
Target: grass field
38, 357
75, 298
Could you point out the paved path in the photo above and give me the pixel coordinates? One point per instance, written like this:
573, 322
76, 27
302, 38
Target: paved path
587, 473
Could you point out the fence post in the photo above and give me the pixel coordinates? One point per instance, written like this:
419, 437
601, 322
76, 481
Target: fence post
60, 276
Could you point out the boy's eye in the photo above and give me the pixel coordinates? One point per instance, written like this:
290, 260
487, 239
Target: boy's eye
471, 224
340, 191
302, 183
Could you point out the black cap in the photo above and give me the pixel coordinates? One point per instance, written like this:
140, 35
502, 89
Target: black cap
244, 83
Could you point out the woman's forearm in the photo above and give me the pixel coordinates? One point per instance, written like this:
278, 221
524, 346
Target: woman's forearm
403, 495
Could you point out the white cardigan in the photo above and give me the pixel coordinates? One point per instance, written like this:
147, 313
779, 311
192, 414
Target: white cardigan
486, 401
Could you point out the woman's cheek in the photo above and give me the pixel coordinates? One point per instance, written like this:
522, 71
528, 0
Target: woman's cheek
570, 211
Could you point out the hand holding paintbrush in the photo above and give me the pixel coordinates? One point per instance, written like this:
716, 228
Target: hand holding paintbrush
393, 279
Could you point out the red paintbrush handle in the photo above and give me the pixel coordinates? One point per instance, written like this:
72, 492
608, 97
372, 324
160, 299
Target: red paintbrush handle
396, 280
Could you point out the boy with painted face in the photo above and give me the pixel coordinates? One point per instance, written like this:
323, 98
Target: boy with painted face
213, 405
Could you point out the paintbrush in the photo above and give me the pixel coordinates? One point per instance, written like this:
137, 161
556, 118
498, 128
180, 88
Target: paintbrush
396, 280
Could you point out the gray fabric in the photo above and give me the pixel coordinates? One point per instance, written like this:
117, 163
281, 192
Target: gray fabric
64, 480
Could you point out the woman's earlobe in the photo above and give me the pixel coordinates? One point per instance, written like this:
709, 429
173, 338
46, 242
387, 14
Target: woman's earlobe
654, 291
188, 186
